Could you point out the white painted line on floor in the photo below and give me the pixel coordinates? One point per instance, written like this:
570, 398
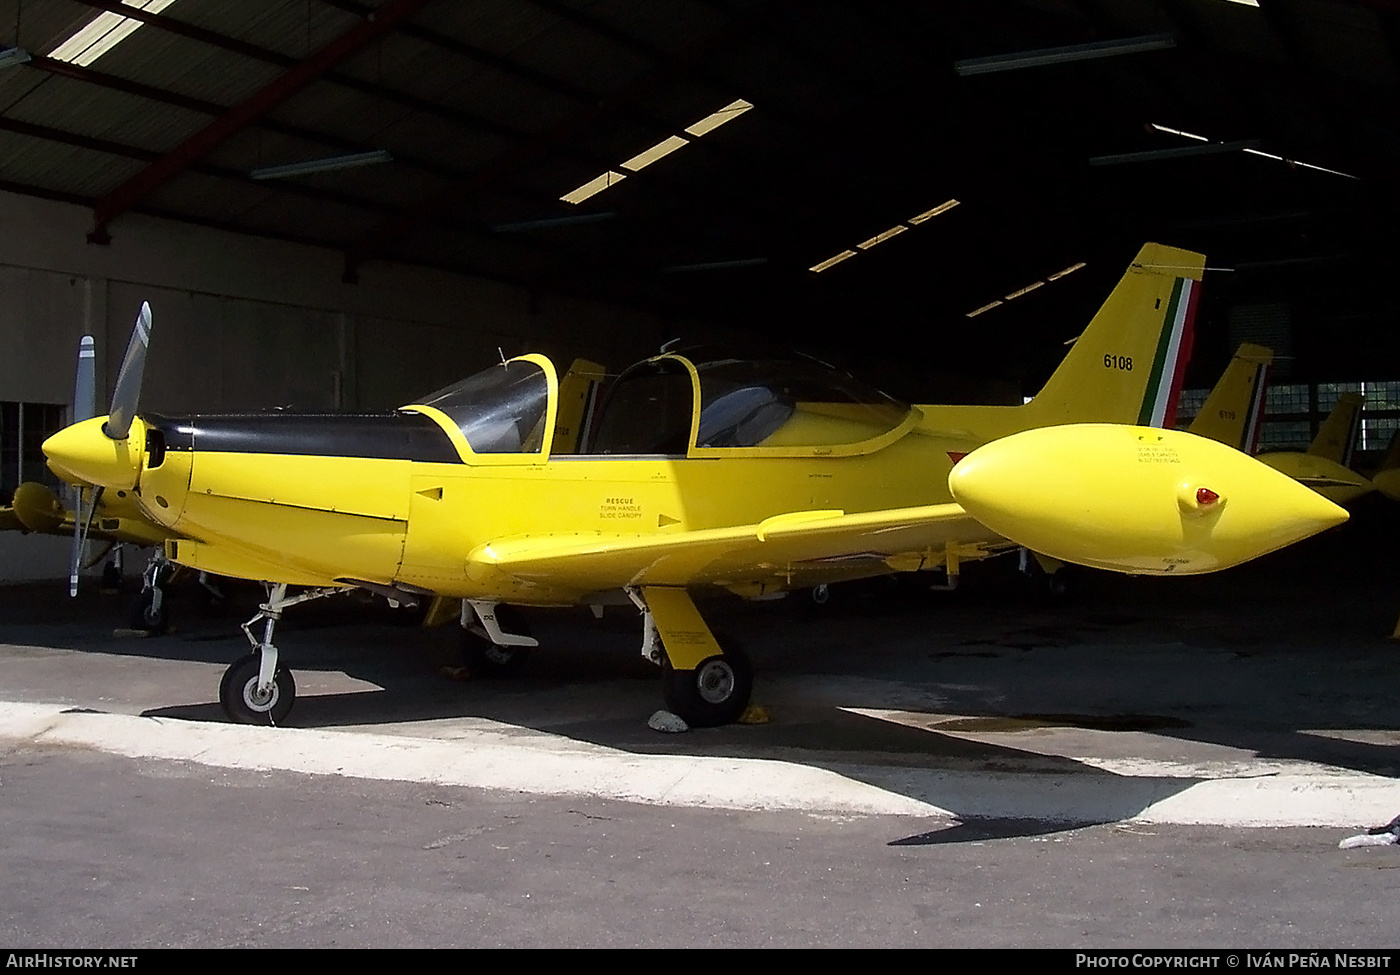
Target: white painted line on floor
1273, 794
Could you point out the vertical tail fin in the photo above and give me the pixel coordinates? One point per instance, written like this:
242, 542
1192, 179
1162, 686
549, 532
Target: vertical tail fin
1127, 366
1391, 460
1336, 438
1235, 406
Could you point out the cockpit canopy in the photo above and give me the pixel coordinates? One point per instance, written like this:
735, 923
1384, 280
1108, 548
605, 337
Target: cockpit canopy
678, 405
502, 410
674, 404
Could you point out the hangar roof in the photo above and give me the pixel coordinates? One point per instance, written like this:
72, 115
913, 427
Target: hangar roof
703, 158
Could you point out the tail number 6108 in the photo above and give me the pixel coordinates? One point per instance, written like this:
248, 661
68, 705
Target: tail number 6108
1124, 362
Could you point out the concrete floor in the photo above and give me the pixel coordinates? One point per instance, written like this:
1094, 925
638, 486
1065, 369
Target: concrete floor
1260, 696
1150, 762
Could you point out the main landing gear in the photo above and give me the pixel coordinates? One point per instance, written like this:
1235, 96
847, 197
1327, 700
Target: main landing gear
257, 689
495, 639
705, 680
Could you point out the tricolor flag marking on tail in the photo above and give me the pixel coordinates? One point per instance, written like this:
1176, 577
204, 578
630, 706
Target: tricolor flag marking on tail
1249, 441
1353, 434
1173, 351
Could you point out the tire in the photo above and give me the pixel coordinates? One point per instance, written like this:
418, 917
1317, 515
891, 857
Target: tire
144, 616
715, 693
237, 693
483, 658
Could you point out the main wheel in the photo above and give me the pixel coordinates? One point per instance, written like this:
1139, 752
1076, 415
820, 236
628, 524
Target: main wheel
145, 616
485, 659
238, 693
716, 692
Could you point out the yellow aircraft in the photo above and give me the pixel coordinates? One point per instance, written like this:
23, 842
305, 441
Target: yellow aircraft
1387, 477
1233, 414
1234, 409
697, 473
1325, 466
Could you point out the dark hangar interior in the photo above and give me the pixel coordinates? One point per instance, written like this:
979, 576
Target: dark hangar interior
1264, 134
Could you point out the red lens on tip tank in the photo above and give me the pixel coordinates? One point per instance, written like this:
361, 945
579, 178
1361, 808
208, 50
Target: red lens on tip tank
1206, 496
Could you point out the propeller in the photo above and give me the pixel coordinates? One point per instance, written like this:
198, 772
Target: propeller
125, 398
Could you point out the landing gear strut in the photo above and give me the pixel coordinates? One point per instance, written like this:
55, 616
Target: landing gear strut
256, 689
495, 639
149, 612
705, 680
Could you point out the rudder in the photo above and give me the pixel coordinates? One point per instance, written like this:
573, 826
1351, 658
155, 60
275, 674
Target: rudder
1233, 410
1128, 364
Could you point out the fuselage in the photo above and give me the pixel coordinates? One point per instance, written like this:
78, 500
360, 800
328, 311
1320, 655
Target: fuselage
392, 499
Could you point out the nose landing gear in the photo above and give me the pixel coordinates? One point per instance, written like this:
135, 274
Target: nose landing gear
257, 689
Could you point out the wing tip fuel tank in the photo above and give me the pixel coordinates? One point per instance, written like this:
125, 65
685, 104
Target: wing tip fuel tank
1139, 500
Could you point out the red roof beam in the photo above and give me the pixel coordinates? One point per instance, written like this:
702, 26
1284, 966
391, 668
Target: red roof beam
177, 160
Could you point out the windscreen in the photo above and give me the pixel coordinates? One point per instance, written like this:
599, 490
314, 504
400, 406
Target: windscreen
501, 410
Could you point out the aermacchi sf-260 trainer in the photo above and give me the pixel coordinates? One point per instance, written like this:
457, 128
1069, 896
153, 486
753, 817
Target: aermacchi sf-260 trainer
754, 477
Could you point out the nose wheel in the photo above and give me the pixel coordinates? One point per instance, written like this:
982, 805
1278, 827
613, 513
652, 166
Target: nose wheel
246, 700
257, 689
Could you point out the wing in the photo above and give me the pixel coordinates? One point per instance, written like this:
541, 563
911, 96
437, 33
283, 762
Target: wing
800, 548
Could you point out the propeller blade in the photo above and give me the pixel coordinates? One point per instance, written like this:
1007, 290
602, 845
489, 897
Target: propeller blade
128, 392
85, 386
81, 526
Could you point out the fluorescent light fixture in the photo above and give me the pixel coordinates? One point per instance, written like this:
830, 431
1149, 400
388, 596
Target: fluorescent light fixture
1069, 270
1321, 169
726, 114
1026, 290
103, 32
1246, 3
662, 148
987, 307
1153, 155
719, 265
1063, 55
324, 165
832, 261
880, 238
930, 214
1250, 146
593, 186
1184, 135
1295, 162
544, 223
13, 55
